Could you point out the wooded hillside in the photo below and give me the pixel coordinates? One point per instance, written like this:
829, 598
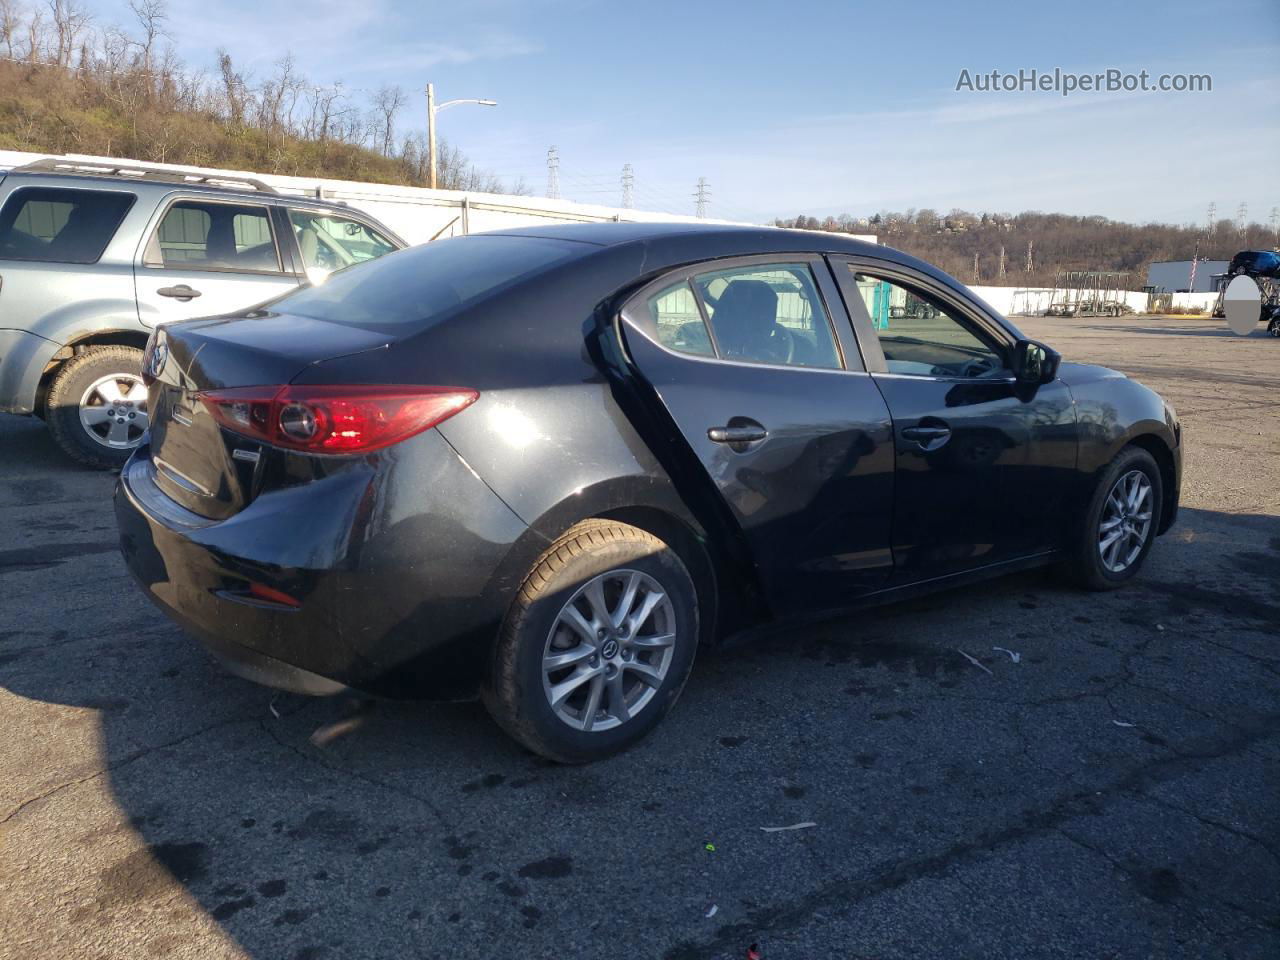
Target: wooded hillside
71, 85
1057, 242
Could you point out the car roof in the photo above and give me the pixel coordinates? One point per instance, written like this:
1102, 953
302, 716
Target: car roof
612, 233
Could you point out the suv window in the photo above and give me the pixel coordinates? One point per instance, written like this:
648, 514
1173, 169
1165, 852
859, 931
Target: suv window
198, 235
922, 337
769, 313
330, 242
60, 226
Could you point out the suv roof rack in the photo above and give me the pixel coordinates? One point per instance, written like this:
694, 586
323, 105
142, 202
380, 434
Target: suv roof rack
83, 168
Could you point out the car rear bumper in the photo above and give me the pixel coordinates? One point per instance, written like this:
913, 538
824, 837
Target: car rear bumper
395, 586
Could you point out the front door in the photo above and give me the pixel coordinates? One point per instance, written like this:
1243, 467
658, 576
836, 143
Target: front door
205, 257
773, 401
983, 462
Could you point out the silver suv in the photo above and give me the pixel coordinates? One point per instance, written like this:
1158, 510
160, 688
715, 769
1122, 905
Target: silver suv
93, 258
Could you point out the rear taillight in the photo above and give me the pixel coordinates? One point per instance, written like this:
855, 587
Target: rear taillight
335, 419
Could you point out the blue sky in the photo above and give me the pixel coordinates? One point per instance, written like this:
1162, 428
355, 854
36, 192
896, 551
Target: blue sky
812, 107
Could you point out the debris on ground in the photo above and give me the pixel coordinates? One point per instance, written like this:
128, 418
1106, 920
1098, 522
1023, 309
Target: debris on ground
975, 661
753, 952
710, 848
1121, 723
1015, 657
794, 826
712, 912
271, 705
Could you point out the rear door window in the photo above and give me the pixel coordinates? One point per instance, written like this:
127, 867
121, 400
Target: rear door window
57, 225
205, 235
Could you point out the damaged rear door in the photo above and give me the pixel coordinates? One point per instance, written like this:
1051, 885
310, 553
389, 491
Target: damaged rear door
770, 397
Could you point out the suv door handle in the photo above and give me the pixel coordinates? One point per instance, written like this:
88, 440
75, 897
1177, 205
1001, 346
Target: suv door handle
739, 434
180, 292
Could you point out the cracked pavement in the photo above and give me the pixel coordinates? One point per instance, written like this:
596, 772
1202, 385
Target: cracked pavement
1115, 793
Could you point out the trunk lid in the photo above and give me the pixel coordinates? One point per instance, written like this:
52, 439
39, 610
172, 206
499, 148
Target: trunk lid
198, 464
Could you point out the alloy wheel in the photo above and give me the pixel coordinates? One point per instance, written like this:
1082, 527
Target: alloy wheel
1126, 521
113, 411
609, 650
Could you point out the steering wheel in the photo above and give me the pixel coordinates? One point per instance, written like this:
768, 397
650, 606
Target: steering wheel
781, 339
977, 367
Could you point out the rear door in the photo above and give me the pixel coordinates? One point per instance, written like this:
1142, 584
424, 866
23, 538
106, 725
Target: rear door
983, 463
771, 397
205, 256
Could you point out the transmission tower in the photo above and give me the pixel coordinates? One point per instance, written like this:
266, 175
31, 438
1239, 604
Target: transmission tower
1211, 218
1030, 265
1275, 224
1242, 214
703, 196
628, 187
975, 268
553, 174
1000, 271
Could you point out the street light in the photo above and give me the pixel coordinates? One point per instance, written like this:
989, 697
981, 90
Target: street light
432, 109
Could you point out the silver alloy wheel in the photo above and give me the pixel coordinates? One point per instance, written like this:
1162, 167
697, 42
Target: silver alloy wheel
1126, 521
609, 650
113, 411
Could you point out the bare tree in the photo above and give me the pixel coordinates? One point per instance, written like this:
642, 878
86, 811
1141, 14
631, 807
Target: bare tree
235, 89
151, 16
10, 21
387, 103
69, 22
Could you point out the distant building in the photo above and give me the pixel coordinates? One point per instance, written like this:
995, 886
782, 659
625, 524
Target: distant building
1174, 276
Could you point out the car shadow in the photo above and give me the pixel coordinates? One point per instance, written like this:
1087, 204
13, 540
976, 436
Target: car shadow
913, 736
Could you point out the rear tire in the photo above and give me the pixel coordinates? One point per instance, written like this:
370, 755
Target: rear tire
575, 677
1120, 523
82, 395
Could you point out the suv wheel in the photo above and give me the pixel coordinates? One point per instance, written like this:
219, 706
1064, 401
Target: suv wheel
97, 406
1120, 524
597, 645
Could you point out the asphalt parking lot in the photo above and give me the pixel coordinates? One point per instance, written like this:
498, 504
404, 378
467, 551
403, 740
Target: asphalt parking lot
1108, 787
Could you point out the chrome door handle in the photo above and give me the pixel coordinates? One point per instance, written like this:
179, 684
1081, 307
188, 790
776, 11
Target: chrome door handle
736, 434
928, 436
180, 292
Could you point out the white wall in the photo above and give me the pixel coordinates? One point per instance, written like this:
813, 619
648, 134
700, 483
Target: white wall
1205, 301
416, 213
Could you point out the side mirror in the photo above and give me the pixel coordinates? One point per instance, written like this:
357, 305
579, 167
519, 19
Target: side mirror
1034, 363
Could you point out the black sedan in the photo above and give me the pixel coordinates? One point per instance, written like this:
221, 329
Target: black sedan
546, 465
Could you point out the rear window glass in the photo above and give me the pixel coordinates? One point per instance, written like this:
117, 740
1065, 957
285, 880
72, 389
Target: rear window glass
424, 283
60, 226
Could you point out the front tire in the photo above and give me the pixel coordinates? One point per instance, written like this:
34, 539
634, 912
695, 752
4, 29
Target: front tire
597, 645
97, 406
1120, 523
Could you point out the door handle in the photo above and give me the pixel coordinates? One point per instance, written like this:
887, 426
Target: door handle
740, 434
180, 292
929, 436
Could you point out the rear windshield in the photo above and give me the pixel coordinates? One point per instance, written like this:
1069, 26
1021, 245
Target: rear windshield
422, 284
60, 226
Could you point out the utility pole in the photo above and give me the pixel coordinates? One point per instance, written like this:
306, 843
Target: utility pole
553, 174
1030, 264
1211, 218
431, 135
703, 197
975, 268
1001, 271
628, 187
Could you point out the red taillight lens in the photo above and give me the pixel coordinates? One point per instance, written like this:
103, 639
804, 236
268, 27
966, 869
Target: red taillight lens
335, 419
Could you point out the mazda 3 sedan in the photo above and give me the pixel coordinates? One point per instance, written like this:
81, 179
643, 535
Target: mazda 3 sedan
546, 465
